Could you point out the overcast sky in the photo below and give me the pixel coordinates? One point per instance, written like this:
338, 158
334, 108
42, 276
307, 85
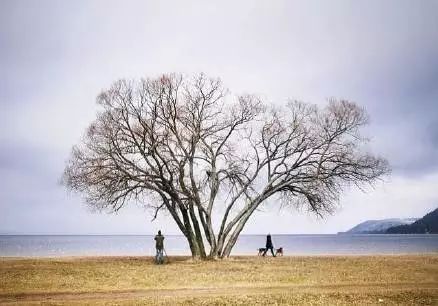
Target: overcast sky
56, 56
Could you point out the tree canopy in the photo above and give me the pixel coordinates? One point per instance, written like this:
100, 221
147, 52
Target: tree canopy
185, 145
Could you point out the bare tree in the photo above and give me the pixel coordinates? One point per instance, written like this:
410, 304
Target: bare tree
185, 145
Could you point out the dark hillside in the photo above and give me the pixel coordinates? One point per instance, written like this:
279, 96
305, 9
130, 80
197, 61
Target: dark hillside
427, 224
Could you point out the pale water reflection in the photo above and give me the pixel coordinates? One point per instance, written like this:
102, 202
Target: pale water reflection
33, 245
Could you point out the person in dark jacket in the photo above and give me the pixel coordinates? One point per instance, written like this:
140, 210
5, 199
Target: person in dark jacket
159, 245
269, 245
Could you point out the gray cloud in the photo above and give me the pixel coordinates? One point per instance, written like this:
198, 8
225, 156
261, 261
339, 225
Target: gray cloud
55, 57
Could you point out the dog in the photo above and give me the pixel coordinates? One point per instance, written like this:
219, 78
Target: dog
278, 251
261, 251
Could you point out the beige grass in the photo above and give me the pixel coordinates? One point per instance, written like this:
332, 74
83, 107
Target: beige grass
239, 280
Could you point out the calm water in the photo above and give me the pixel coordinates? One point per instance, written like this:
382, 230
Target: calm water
246, 245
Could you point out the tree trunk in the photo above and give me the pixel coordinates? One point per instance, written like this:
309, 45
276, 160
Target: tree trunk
217, 252
233, 239
194, 247
219, 248
209, 233
198, 235
191, 237
235, 234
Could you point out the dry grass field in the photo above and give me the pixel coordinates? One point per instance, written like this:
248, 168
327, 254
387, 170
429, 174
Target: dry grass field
318, 280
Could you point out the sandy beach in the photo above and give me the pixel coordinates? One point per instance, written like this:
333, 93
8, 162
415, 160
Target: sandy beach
316, 280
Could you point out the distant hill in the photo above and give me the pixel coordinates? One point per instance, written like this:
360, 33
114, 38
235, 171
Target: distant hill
427, 224
378, 226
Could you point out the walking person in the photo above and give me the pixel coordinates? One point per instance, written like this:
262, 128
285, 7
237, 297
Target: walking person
269, 245
159, 246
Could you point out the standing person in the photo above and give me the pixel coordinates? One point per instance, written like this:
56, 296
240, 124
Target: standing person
159, 245
269, 245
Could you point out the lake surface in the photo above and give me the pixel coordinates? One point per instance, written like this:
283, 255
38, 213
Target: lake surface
57, 245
